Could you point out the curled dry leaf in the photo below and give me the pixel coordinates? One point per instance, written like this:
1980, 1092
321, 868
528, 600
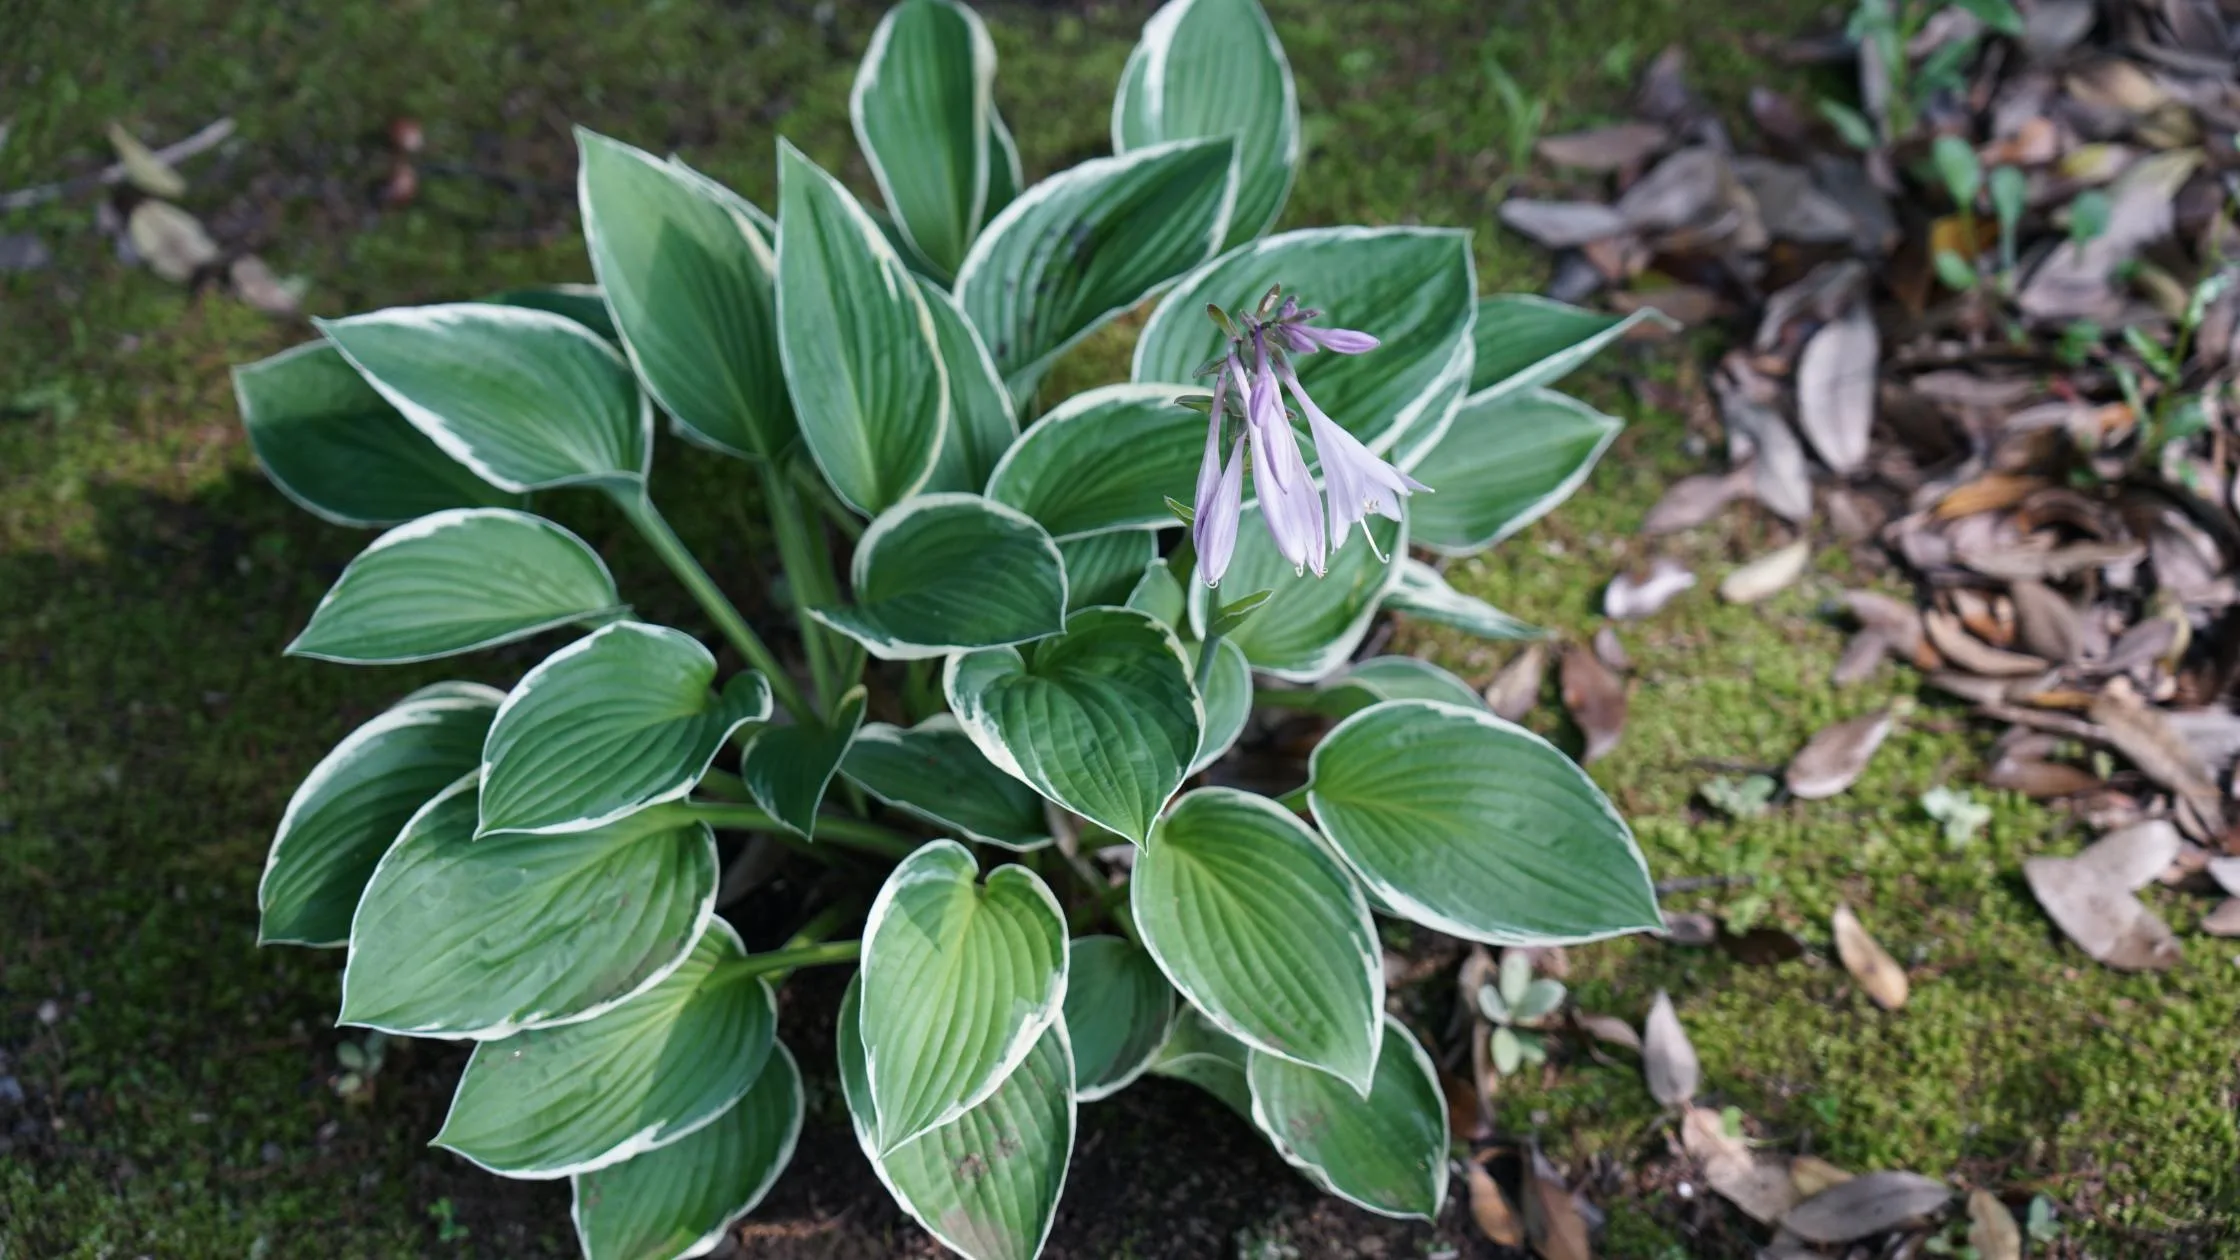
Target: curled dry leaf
1551, 1217
1490, 1208
1991, 1228
1835, 389
1862, 655
1562, 224
1898, 623
1608, 1029
1865, 1205
1516, 689
1811, 1174
1832, 760
1628, 596
1605, 149
2147, 741
1694, 500
1878, 974
172, 241
1767, 575
1972, 654
2047, 625
2110, 924
1668, 1059
1596, 700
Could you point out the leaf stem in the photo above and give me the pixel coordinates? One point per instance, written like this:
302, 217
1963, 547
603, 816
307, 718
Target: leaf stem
791, 959
808, 577
655, 528
1287, 698
848, 833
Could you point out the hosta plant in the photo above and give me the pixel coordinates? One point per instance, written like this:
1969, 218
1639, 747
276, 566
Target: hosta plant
1024, 638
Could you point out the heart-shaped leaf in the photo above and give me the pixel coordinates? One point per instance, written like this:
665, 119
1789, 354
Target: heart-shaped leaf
1216, 68
333, 444
858, 343
456, 581
681, 1199
526, 399
1423, 593
1101, 719
1527, 342
960, 979
1088, 243
1478, 828
1309, 625
1208, 1058
610, 724
943, 573
1105, 460
556, 1102
1118, 1008
1258, 924
1226, 692
1413, 288
1386, 1152
987, 1183
787, 768
354, 802
982, 422
922, 109
1105, 568
693, 287
587, 920
1503, 464
933, 771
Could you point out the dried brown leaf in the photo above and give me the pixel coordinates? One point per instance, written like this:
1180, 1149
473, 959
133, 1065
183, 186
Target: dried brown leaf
1596, 700
1489, 1208
1668, 1058
1812, 1174
2224, 920
1692, 501
257, 286
1516, 689
1608, 1029
2146, 740
172, 241
1628, 596
1897, 622
2037, 778
1767, 575
1964, 650
1864, 1206
1836, 386
2046, 624
2135, 856
1991, 1228
1691, 928
1878, 974
1862, 655
1551, 1217
1686, 187
1561, 224
2109, 924
1791, 206
1834, 758
1611, 650
1605, 149
1780, 475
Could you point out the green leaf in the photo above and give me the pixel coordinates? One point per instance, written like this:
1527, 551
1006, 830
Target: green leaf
556, 1102
1226, 694
610, 724
932, 771
1855, 128
982, 422
1516, 332
1423, 593
1234, 613
1396, 678
922, 113
1507, 460
1005, 177
1413, 287
1101, 719
1106, 568
350, 808
458, 937
1957, 165
1118, 1007
1478, 828
1104, 460
987, 1183
1216, 68
583, 303
681, 1199
1159, 594
1386, 1152
1258, 925
456, 581
1999, 15
693, 288
943, 573
1540, 998
960, 979
526, 399
333, 444
1310, 625
1208, 1058
787, 768
860, 349
1088, 243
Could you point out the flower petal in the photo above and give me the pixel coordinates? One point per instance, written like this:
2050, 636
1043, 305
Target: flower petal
1216, 528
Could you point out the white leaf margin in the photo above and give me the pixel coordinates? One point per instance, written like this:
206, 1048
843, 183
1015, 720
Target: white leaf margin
859, 568
1315, 1172
983, 110
1072, 412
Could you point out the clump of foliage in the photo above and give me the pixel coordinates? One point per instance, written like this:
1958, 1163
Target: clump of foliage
1026, 659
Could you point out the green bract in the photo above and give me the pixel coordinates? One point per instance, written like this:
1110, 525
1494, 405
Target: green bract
1038, 852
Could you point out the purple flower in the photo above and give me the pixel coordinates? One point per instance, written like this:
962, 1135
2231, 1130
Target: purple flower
1359, 482
1220, 492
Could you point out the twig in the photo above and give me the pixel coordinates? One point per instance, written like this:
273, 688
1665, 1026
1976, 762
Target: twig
208, 138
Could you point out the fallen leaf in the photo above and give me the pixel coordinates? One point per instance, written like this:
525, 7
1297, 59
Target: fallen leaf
1898, 623
1991, 1228
256, 284
1834, 758
1596, 700
1466, 1114
1812, 1174
1694, 500
2109, 924
1791, 206
1758, 1184
1762, 947
1865, 1205
1551, 1217
1779, 474
1628, 597
1668, 1059
2046, 624
1964, 650
1516, 689
148, 172
1862, 655
1835, 389
1490, 1208
2224, 920
1561, 224
1605, 149
172, 241
2038, 778
1871, 965
2135, 856
1608, 1029
1767, 575
2148, 742
1610, 650
2226, 871
1690, 928
1680, 191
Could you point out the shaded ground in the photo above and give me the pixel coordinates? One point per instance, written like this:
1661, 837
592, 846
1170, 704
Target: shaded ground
178, 1100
